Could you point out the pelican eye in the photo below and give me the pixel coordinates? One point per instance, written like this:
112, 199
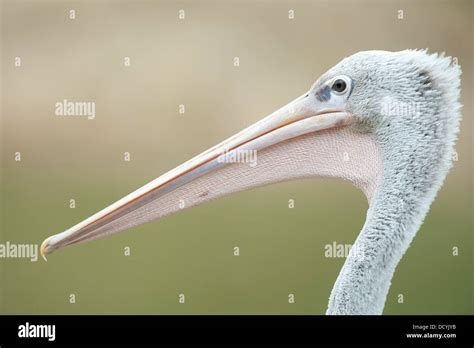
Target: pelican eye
339, 86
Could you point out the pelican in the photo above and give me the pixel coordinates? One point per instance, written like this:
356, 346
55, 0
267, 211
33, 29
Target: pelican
385, 121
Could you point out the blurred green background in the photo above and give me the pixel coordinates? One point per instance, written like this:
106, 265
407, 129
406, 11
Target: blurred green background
190, 62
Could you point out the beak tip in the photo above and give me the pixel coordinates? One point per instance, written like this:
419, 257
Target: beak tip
45, 249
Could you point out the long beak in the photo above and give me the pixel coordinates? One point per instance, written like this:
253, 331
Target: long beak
211, 174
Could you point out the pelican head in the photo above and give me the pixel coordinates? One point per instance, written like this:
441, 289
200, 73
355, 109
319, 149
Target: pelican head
384, 121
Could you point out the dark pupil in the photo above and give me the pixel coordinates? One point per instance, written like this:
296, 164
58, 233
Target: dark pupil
339, 85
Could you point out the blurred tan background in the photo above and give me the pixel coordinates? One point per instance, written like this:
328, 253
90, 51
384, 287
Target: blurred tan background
190, 62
